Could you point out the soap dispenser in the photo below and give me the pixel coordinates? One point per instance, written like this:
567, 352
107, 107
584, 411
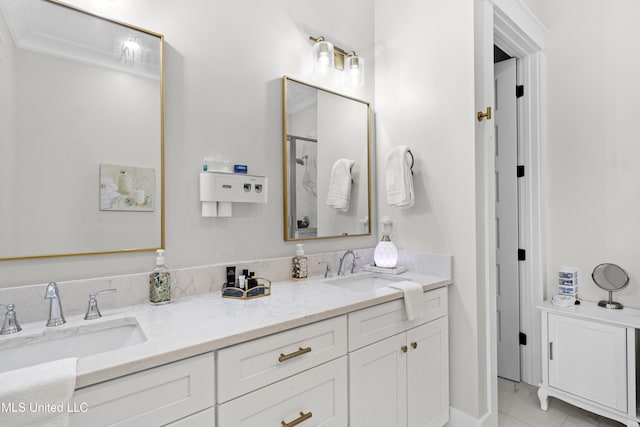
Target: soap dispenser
160, 282
299, 269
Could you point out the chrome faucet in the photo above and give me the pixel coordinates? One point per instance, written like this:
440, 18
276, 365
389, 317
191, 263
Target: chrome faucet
56, 318
354, 264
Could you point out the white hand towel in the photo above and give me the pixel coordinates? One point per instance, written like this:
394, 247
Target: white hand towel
412, 297
339, 194
38, 395
398, 178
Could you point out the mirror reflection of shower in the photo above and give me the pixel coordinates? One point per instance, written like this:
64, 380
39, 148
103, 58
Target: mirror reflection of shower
303, 213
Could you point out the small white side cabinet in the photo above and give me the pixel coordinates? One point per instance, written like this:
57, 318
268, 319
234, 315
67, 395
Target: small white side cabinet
589, 359
403, 379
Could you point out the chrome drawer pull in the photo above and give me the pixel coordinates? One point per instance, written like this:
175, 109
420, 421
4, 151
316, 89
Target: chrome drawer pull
303, 417
284, 357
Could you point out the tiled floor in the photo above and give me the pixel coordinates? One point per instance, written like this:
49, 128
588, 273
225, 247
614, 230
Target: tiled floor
518, 406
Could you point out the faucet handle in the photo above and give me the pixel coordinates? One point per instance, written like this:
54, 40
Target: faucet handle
327, 271
92, 310
52, 291
10, 325
354, 264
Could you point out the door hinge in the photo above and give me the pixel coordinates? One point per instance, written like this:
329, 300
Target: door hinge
520, 171
522, 255
523, 338
519, 91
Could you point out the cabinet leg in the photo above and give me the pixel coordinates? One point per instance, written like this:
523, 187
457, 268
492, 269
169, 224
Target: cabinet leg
543, 395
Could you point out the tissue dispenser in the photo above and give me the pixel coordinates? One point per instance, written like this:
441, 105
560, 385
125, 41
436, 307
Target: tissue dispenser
218, 190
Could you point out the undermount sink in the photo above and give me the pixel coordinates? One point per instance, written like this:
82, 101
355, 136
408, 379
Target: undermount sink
365, 281
83, 340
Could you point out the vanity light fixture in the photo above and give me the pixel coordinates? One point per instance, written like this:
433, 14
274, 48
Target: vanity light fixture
128, 50
327, 57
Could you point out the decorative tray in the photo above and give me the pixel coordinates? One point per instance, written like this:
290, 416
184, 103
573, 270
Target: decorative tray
262, 289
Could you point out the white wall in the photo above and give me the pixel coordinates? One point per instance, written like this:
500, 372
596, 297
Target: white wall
592, 150
425, 99
223, 63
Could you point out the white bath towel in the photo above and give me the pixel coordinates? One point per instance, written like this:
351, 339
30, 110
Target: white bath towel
38, 395
398, 178
412, 297
339, 194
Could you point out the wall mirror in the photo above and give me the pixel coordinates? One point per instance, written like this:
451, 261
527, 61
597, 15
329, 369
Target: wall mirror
81, 133
326, 170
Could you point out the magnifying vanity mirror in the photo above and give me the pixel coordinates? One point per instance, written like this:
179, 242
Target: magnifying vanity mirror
611, 278
326, 171
81, 133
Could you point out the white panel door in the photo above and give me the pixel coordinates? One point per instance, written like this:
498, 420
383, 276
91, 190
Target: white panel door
588, 359
378, 384
507, 286
428, 374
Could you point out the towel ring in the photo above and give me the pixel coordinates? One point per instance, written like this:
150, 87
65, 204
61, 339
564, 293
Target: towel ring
412, 161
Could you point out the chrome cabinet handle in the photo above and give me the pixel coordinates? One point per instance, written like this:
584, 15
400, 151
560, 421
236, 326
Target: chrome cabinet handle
284, 357
303, 417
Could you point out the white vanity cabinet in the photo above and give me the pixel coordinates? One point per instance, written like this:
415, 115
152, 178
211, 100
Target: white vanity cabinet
182, 393
293, 377
589, 359
399, 379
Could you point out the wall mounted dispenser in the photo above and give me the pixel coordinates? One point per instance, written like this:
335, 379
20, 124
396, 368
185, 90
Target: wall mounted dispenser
219, 190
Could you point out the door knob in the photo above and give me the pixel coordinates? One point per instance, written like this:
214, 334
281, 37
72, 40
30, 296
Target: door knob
482, 115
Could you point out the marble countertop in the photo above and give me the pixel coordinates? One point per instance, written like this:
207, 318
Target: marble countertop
204, 323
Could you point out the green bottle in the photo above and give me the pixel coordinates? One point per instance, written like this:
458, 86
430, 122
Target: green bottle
160, 282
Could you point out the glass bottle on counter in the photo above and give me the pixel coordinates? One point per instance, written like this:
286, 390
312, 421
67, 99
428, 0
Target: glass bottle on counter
160, 282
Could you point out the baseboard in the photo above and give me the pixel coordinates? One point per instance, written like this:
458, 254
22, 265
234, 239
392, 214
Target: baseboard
458, 418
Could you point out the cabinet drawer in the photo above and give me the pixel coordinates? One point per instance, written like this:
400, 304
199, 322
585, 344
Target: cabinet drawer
381, 321
206, 418
254, 364
154, 397
319, 396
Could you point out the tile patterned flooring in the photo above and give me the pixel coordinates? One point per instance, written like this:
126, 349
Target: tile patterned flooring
518, 406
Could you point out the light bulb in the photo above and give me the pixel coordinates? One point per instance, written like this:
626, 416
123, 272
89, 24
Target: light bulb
323, 60
385, 254
354, 71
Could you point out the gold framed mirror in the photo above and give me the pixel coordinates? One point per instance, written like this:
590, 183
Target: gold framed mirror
82, 131
326, 163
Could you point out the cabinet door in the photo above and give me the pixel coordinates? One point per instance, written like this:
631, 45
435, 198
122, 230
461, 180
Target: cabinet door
428, 374
588, 359
378, 384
